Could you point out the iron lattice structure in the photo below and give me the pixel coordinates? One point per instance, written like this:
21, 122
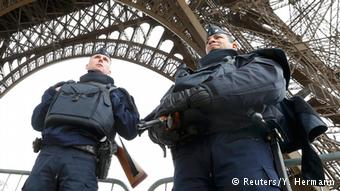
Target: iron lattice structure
36, 34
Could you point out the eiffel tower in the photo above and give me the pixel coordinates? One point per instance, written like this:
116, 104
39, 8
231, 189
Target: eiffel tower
36, 34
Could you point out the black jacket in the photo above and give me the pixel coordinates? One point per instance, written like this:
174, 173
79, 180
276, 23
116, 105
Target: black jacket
125, 114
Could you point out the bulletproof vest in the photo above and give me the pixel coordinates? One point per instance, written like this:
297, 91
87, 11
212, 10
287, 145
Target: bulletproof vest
83, 104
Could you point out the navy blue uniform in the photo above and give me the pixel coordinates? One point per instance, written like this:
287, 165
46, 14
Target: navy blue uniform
230, 146
60, 166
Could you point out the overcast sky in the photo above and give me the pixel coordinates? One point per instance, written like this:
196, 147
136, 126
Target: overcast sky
16, 133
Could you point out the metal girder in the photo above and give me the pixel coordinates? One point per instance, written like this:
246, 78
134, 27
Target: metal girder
16, 15
177, 17
128, 33
7, 6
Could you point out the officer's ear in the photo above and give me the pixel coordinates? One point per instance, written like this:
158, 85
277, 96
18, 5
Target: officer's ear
87, 66
234, 45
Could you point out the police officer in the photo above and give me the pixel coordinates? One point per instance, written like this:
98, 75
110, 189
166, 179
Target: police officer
216, 101
68, 160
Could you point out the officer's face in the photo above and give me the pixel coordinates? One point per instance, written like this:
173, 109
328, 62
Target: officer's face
218, 41
100, 63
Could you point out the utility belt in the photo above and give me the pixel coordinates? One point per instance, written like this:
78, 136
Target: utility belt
251, 131
103, 153
86, 148
38, 144
233, 134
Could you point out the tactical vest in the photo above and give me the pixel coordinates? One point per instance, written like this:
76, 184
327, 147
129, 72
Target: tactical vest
84, 104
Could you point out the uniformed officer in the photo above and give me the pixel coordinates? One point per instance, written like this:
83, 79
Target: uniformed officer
228, 151
68, 159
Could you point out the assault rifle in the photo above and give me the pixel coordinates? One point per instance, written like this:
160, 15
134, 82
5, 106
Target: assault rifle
163, 130
134, 173
171, 121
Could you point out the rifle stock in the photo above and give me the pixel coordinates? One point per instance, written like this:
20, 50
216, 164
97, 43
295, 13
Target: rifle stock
134, 173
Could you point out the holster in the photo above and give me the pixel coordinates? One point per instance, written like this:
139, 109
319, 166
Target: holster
36, 144
104, 154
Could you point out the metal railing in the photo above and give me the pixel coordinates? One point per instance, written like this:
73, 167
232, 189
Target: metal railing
166, 182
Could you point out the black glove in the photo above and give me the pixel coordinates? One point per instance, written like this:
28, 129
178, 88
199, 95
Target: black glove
189, 98
59, 84
183, 70
52, 91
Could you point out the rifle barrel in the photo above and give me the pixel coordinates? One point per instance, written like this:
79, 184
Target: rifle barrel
147, 124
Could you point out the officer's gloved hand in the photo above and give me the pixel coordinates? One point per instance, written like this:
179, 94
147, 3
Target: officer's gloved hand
59, 84
183, 70
48, 95
51, 91
189, 98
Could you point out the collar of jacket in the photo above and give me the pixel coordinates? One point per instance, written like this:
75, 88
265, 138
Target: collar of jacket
96, 77
216, 56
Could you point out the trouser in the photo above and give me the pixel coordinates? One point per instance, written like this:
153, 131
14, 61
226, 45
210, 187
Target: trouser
214, 163
62, 169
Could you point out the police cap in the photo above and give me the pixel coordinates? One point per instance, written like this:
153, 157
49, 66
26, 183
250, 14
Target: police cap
213, 29
103, 51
